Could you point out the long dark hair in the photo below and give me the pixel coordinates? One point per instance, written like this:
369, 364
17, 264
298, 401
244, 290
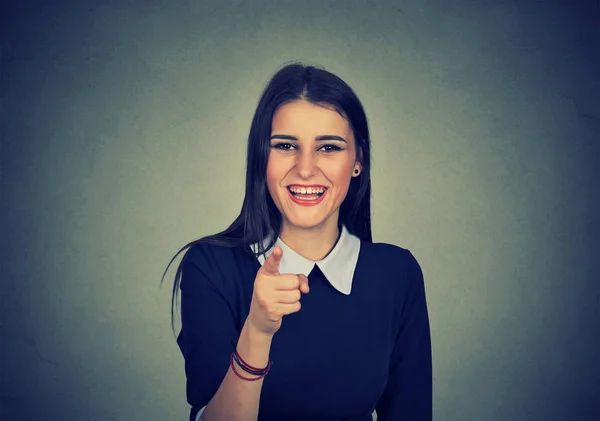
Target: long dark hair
259, 218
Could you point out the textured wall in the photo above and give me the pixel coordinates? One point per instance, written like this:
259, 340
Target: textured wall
123, 137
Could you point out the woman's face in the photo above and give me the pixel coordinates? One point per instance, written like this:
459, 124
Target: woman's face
311, 162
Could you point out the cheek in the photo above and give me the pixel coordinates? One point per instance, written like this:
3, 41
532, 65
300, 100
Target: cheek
270, 169
343, 174
273, 179
271, 183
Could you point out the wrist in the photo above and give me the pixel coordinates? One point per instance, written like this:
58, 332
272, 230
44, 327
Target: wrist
256, 336
254, 346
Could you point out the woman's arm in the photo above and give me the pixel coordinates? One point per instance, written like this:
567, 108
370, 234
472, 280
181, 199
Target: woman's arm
237, 399
209, 333
408, 394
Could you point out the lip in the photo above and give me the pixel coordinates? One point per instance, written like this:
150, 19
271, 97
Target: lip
306, 202
319, 186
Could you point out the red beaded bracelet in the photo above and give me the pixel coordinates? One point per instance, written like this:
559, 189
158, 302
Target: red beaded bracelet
244, 364
260, 372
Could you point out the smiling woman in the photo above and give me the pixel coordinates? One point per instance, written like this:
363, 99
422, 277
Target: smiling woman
311, 165
360, 340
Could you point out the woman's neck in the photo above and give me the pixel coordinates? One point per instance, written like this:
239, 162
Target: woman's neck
311, 243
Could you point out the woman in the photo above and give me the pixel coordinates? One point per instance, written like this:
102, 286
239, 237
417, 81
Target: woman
360, 341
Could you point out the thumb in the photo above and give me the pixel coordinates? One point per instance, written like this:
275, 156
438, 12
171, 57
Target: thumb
271, 265
303, 284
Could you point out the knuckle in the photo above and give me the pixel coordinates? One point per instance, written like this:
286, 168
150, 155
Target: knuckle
262, 300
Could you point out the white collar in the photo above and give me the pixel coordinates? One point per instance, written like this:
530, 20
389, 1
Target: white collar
338, 267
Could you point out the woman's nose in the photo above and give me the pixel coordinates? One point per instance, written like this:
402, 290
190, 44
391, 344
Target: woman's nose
306, 164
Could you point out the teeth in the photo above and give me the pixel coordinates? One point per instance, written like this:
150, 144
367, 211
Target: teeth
307, 190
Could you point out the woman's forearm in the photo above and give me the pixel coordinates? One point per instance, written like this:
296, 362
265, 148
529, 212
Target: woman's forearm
237, 399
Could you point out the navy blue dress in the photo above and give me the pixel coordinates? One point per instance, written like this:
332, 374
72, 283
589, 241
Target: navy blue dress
338, 358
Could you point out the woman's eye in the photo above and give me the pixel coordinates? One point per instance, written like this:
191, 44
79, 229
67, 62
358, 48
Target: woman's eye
331, 148
289, 147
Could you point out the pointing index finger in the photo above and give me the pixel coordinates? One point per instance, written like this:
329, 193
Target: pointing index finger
271, 265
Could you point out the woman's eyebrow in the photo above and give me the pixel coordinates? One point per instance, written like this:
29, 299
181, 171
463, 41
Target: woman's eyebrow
318, 138
284, 137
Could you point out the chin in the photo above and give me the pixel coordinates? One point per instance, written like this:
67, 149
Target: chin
306, 222
305, 225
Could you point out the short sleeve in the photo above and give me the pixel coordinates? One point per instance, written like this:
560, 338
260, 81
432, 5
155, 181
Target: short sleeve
408, 394
208, 332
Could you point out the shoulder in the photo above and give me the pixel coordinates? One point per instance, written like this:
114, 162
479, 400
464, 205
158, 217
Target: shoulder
388, 256
217, 269
210, 258
391, 267
397, 272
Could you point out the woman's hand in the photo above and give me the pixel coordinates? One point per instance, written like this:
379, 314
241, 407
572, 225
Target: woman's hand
274, 295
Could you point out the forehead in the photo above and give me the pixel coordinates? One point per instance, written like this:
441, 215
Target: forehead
304, 118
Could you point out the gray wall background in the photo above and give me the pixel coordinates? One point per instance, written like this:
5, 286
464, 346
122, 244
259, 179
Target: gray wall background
123, 137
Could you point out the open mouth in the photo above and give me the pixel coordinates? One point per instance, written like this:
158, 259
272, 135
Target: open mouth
307, 193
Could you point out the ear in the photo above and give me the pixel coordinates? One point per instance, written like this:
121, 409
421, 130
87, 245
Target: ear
360, 159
